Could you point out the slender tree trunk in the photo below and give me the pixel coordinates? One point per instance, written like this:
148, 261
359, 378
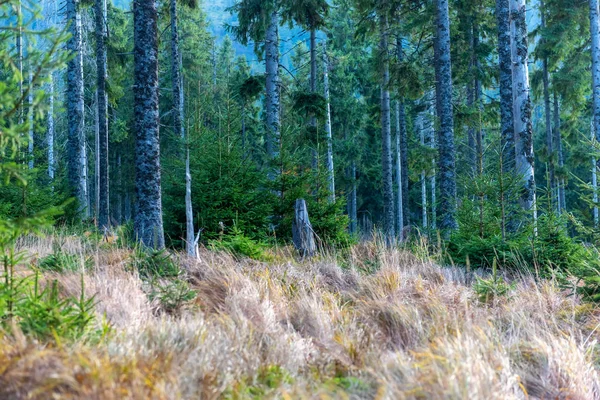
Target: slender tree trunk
562, 206
595, 36
399, 197
432, 180
118, 213
97, 158
30, 120
178, 110
352, 201
447, 153
189, 211
102, 70
272, 85
594, 178
50, 134
403, 144
76, 158
421, 129
19, 46
522, 108
313, 88
548, 117
330, 166
386, 144
506, 86
148, 222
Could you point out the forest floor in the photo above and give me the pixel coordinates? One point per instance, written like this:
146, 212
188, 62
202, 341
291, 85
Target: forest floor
386, 325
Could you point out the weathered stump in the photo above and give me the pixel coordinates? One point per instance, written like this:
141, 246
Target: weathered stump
302, 232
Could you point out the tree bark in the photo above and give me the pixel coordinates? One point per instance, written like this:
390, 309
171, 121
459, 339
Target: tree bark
506, 88
447, 153
19, 47
595, 37
421, 129
386, 152
330, 166
403, 137
148, 223
550, 151
399, 197
102, 70
313, 89
30, 120
178, 95
432, 179
50, 133
522, 108
594, 178
76, 158
302, 232
562, 206
352, 202
272, 85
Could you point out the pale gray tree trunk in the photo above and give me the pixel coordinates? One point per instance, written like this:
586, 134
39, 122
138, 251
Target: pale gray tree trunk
189, 212
302, 231
594, 177
97, 158
102, 112
178, 110
550, 148
19, 48
148, 221
507, 128
313, 88
76, 154
432, 179
562, 206
403, 135
399, 197
595, 36
272, 85
50, 134
386, 144
420, 125
30, 120
447, 153
330, 166
522, 107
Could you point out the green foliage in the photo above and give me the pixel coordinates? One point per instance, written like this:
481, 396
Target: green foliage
240, 245
154, 264
489, 290
173, 295
261, 386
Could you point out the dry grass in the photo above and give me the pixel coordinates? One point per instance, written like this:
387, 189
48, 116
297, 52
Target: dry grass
410, 330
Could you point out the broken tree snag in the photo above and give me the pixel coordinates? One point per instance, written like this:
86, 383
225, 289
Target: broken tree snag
302, 232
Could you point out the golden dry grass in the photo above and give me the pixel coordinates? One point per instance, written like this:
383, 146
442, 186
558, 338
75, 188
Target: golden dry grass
310, 329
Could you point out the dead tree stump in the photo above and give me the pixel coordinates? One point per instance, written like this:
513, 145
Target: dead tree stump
302, 232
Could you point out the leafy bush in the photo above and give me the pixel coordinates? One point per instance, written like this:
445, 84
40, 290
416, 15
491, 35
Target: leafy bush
488, 290
154, 264
240, 245
172, 295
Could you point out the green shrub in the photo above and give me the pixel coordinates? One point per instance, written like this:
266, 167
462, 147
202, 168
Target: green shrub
60, 261
154, 264
241, 245
491, 289
172, 295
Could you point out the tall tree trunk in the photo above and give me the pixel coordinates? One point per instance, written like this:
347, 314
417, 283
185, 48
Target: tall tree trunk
330, 166
102, 70
148, 222
562, 206
386, 144
522, 108
594, 178
50, 133
399, 197
432, 179
507, 128
421, 129
189, 211
76, 159
352, 202
447, 154
19, 46
30, 120
595, 34
97, 158
178, 96
272, 85
403, 145
550, 151
313, 88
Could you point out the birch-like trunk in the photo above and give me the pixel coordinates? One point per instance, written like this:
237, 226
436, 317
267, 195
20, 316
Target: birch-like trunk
189, 212
102, 112
50, 133
595, 38
148, 222
594, 177
421, 129
330, 166
432, 179
403, 136
272, 85
76, 153
562, 203
386, 144
30, 120
97, 156
176, 67
313, 89
507, 128
399, 197
522, 107
352, 201
550, 150
447, 153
